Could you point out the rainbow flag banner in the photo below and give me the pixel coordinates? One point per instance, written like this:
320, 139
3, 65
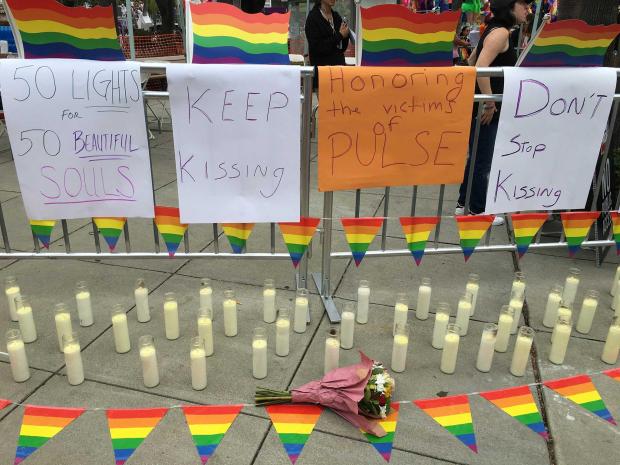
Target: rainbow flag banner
4, 403
454, 414
222, 33
48, 29
518, 402
614, 374
360, 232
208, 426
525, 227
110, 229
238, 234
615, 219
42, 229
297, 237
471, 229
39, 425
417, 229
581, 390
384, 445
576, 228
168, 222
294, 424
130, 427
392, 35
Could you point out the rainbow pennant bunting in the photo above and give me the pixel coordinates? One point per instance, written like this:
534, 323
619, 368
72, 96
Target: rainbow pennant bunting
454, 414
297, 237
576, 228
208, 426
613, 373
237, 234
581, 390
417, 229
294, 424
39, 425
525, 227
384, 445
392, 35
130, 427
518, 402
42, 229
169, 225
471, 229
615, 219
110, 229
223, 33
4, 403
48, 29
359, 233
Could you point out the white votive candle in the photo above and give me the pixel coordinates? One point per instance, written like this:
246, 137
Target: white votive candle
521, 354
347, 326
120, 330
473, 286
516, 303
401, 311
442, 318
332, 350
301, 311
399, 348
269, 301
141, 294
463, 313
450, 349
571, 285
518, 285
148, 358
565, 312
26, 319
504, 325
84, 306
73, 359
230, 313
205, 329
283, 330
611, 349
17, 356
206, 293
559, 340
12, 292
553, 304
424, 299
259, 354
198, 364
487, 348
363, 302
171, 316
588, 310
614, 284
62, 318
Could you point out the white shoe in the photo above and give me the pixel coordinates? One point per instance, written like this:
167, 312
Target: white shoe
459, 210
498, 221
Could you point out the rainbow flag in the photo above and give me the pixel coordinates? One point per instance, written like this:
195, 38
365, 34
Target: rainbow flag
615, 219
392, 35
208, 426
294, 424
238, 234
571, 42
384, 445
359, 233
223, 33
454, 414
130, 427
110, 229
518, 402
39, 425
42, 229
613, 373
471, 229
580, 390
48, 29
576, 228
297, 237
4, 403
417, 229
525, 227
168, 222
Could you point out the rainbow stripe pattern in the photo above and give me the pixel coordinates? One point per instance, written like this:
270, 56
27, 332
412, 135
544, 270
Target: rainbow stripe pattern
42, 229
168, 222
223, 33
471, 229
454, 414
48, 29
392, 35
110, 229
417, 229
571, 43
613, 374
576, 228
208, 425
518, 402
39, 425
581, 390
360, 232
294, 424
130, 427
525, 227
4, 403
384, 445
615, 221
297, 237
237, 234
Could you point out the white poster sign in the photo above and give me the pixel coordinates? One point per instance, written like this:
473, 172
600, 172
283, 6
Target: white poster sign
236, 142
550, 131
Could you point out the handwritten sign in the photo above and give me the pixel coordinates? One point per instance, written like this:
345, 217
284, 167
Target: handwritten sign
236, 142
393, 126
550, 131
78, 137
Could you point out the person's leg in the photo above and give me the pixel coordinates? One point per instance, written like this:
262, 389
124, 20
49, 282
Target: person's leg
463, 188
484, 158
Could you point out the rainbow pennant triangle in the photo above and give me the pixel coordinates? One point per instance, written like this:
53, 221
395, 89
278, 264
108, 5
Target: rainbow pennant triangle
581, 390
518, 402
525, 227
417, 229
613, 373
130, 427
297, 237
237, 234
208, 426
110, 229
454, 414
4, 403
42, 229
471, 229
576, 228
359, 233
615, 219
294, 424
39, 425
384, 445
169, 225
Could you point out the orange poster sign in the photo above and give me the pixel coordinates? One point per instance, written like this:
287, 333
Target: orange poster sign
393, 126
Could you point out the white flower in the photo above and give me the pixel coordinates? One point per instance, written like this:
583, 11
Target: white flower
380, 381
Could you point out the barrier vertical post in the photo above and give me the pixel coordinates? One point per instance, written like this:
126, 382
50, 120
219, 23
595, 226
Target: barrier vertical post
132, 45
306, 114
